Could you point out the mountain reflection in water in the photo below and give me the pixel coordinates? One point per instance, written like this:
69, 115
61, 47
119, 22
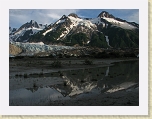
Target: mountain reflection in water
106, 79
82, 82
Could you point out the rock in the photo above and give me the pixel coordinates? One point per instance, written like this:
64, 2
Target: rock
14, 50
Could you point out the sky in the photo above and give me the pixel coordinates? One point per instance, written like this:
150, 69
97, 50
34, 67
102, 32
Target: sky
18, 17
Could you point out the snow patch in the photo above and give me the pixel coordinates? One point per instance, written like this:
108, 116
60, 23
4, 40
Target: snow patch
39, 43
60, 21
47, 31
22, 32
97, 21
114, 90
107, 39
78, 90
107, 71
115, 22
35, 30
122, 86
62, 35
82, 22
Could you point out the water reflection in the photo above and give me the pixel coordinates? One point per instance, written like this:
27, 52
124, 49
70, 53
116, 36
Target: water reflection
35, 96
79, 83
107, 72
33, 89
104, 80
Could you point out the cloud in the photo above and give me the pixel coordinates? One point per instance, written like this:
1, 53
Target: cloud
131, 15
17, 17
53, 16
134, 17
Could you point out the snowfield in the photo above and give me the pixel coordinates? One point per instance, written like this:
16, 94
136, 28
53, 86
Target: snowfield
117, 23
22, 32
97, 21
83, 22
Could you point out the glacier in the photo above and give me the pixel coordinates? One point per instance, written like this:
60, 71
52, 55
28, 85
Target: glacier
32, 48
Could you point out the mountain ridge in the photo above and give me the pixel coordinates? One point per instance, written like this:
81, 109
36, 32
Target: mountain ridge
73, 30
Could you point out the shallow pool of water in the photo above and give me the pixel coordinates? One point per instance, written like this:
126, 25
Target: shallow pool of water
78, 84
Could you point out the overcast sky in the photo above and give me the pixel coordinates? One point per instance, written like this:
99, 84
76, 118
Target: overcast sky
18, 17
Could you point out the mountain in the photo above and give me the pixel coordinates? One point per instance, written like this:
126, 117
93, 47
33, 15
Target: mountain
25, 31
104, 31
12, 30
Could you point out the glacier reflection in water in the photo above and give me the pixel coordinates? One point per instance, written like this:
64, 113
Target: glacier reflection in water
79, 83
34, 96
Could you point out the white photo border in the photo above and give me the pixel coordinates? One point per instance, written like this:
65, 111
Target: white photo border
142, 109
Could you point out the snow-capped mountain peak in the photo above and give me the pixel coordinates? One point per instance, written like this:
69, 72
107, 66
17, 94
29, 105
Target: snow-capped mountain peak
77, 21
117, 22
12, 30
73, 15
32, 22
63, 17
71, 23
74, 30
105, 14
26, 30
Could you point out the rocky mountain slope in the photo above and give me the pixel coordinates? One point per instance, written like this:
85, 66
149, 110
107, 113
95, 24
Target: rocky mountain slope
104, 31
25, 31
